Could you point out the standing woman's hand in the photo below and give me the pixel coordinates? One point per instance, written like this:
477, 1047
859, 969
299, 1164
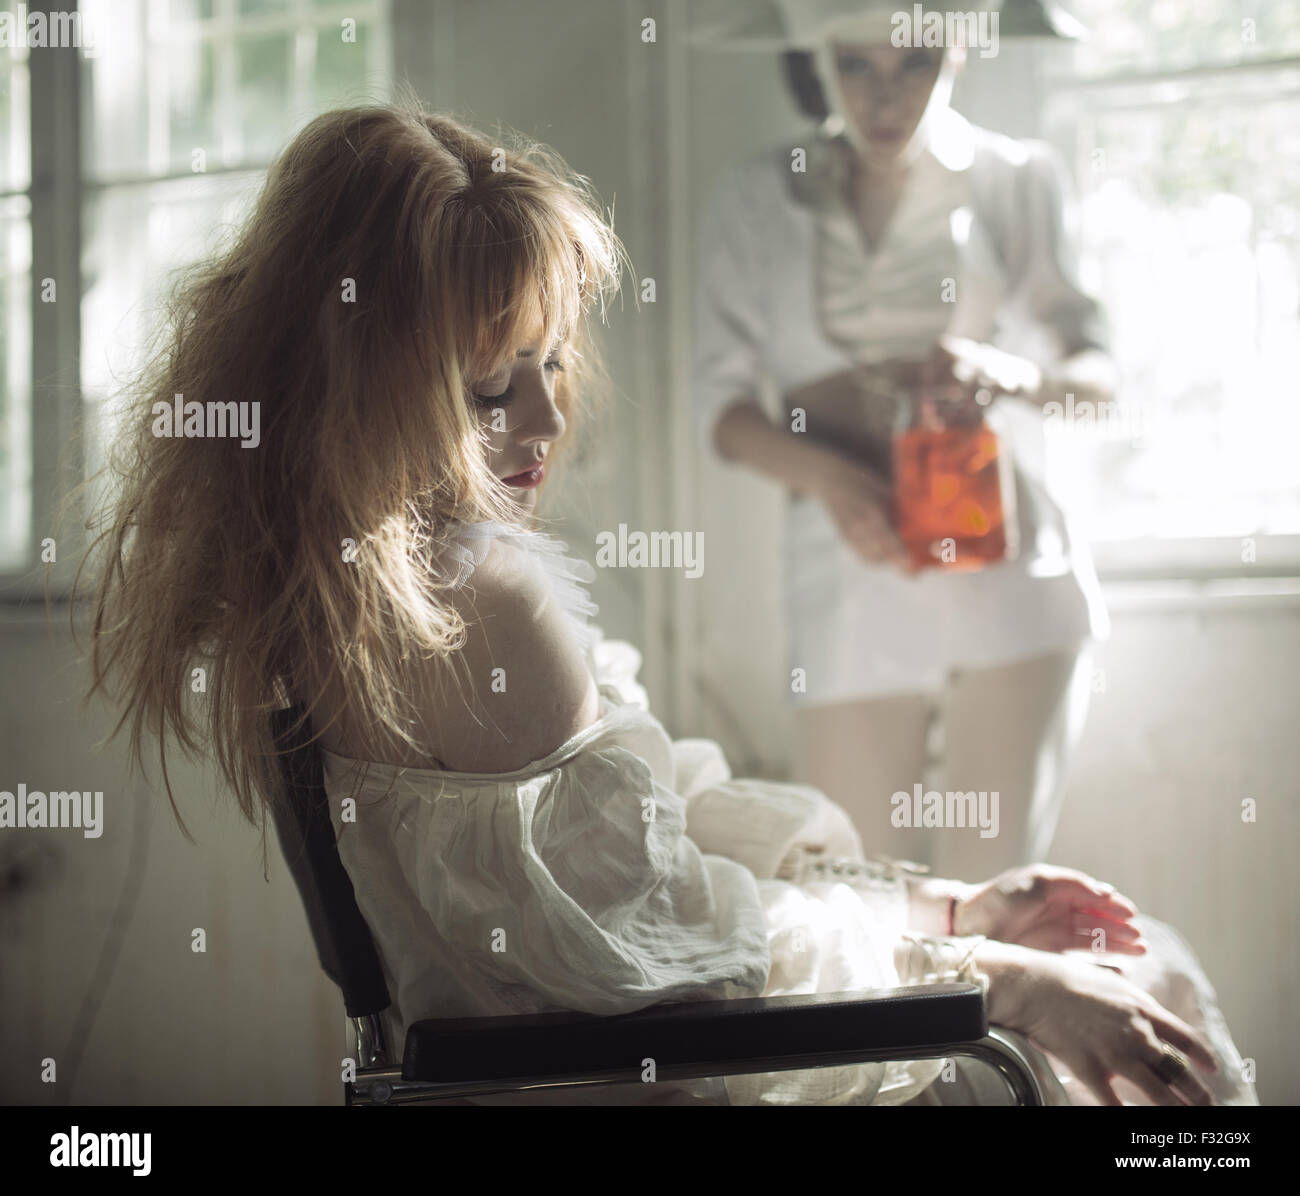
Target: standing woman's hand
861, 505
966, 375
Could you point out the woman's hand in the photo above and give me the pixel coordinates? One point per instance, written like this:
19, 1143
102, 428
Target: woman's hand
860, 503
964, 376
1051, 909
1098, 1024
974, 364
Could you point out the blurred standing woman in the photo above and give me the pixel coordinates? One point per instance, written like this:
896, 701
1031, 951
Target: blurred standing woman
878, 265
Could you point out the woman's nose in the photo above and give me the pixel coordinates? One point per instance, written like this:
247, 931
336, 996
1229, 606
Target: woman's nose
885, 96
542, 419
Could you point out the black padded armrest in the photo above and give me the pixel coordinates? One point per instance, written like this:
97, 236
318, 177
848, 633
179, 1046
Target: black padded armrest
691, 1035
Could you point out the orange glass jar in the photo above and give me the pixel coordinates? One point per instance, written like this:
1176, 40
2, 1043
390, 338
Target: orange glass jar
954, 487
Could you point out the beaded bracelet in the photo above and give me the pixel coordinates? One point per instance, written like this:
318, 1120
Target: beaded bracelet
945, 959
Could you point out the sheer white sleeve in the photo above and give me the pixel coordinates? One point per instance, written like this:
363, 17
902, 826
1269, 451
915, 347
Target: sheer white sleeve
574, 888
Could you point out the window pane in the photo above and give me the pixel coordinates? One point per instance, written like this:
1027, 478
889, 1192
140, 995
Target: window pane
1192, 241
264, 92
15, 311
15, 382
181, 11
341, 75
137, 239
178, 77
1190, 189
259, 7
1129, 35
15, 124
192, 98
116, 126
167, 80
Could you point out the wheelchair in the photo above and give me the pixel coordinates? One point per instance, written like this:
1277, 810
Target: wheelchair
445, 1060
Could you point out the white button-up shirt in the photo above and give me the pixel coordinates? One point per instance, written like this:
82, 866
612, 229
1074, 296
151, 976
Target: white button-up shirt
979, 245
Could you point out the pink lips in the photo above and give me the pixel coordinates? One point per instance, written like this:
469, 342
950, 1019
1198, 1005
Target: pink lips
528, 479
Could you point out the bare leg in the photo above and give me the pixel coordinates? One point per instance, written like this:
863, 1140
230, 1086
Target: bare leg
859, 754
1010, 730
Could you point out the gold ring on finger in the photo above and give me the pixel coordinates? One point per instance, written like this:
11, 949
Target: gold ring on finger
1171, 1066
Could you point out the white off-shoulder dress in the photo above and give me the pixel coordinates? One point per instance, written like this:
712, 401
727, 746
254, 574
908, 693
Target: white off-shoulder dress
626, 869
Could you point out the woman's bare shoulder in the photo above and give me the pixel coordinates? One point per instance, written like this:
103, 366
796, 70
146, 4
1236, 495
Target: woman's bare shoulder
520, 686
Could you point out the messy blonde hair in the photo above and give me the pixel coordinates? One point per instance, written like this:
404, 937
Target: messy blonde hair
234, 557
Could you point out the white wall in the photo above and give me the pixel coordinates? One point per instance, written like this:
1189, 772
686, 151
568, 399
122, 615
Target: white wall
1199, 715
250, 1020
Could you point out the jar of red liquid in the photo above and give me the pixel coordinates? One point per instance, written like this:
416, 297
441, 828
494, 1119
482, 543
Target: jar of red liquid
954, 486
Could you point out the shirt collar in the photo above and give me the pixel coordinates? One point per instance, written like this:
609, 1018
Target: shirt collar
951, 147
952, 144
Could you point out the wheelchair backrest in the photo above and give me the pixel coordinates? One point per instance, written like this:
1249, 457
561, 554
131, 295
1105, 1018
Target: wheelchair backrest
302, 824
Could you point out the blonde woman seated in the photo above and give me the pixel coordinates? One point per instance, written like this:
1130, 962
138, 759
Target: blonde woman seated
521, 833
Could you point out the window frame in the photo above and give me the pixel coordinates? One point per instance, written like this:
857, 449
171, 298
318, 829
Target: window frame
1167, 558
56, 192
54, 388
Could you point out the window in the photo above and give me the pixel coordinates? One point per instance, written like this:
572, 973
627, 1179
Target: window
15, 309
1183, 120
182, 105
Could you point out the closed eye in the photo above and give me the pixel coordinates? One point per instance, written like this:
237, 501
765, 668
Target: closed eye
501, 400
506, 396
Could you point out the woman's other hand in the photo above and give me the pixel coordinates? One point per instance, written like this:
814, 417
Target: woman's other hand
860, 502
965, 376
1100, 1025
1051, 909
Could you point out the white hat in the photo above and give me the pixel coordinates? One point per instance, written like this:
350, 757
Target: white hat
780, 25
813, 23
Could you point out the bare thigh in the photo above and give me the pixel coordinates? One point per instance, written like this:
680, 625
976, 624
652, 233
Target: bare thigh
1009, 730
859, 754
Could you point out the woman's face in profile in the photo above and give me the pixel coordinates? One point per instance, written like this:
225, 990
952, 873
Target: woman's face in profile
885, 90
520, 420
